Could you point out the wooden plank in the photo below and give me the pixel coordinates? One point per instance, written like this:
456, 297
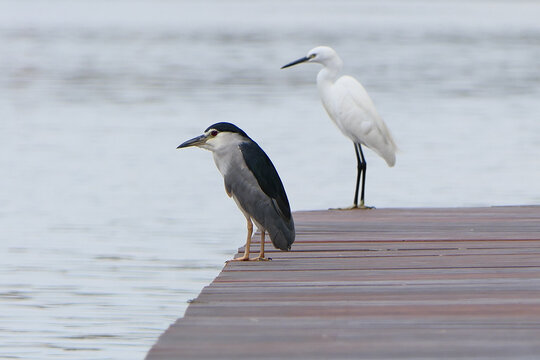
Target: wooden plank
380, 284
389, 262
363, 253
316, 338
331, 276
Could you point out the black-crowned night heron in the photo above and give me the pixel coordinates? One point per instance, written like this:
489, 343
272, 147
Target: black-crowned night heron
351, 109
252, 181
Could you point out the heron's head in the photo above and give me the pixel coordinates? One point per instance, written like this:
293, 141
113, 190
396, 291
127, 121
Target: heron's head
217, 136
321, 54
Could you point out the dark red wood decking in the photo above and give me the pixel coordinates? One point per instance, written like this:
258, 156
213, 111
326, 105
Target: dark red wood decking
457, 283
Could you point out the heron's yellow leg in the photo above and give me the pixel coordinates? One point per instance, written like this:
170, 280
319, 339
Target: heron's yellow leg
248, 242
261, 253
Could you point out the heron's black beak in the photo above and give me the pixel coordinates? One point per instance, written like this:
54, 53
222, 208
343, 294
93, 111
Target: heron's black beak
196, 141
304, 59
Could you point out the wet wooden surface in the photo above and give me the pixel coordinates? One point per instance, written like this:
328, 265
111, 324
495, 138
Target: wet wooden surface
457, 283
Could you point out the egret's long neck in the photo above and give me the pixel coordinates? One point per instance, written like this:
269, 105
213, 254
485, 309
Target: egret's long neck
330, 71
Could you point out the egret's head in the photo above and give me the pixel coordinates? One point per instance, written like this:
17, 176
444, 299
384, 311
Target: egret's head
321, 54
217, 136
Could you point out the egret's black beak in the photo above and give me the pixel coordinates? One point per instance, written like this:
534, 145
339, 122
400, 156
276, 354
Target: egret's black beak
304, 59
199, 140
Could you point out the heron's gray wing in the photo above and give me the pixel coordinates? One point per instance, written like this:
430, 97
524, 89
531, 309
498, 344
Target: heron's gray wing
267, 177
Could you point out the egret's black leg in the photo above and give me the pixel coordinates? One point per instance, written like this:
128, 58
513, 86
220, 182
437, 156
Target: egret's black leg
364, 170
358, 170
360, 174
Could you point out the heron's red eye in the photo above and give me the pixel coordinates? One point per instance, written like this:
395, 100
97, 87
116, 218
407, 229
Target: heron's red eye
214, 132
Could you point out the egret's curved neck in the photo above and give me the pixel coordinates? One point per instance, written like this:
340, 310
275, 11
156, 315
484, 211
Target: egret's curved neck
330, 71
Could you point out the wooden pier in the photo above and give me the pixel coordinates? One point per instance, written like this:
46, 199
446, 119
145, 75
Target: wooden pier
456, 283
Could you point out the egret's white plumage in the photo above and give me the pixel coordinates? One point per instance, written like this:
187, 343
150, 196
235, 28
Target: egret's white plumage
351, 109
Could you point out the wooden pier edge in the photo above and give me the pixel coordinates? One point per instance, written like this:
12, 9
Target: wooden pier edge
429, 283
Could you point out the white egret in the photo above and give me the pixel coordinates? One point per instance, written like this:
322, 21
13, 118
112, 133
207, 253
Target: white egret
352, 110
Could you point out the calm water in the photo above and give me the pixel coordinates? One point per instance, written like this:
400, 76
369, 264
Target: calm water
107, 230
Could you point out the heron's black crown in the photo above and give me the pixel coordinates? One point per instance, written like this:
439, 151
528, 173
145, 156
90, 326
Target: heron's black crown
227, 127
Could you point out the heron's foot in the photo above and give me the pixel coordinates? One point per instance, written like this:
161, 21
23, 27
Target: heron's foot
260, 258
243, 258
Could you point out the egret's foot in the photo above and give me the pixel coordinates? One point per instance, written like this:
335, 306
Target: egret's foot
355, 207
343, 208
364, 207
